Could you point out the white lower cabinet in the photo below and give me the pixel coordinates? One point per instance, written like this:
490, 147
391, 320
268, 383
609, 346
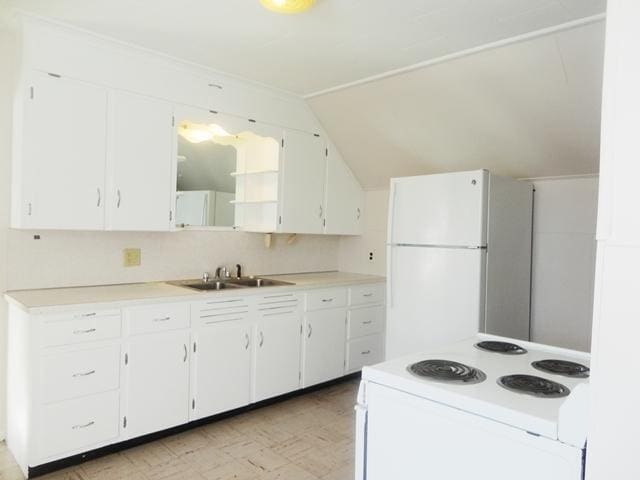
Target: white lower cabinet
323, 346
157, 382
277, 354
221, 368
81, 423
84, 379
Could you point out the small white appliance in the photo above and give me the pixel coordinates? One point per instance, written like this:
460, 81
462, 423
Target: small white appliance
458, 259
507, 410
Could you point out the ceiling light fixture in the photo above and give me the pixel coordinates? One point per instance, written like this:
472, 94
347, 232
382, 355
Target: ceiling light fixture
288, 6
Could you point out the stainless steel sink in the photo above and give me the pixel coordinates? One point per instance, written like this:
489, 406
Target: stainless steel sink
257, 282
201, 285
230, 283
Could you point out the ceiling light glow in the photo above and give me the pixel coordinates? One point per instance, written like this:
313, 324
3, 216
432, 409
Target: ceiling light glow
288, 6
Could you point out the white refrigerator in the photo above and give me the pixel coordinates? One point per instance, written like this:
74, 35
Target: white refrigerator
458, 259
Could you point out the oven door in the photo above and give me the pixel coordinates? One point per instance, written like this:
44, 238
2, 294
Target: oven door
411, 438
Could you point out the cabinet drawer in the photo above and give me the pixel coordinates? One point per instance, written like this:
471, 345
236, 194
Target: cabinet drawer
157, 318
79, 424
364, 351
330, 298
82, 327
365, 321
364, 294
79, 373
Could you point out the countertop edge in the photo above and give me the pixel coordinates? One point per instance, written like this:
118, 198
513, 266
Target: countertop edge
187, 296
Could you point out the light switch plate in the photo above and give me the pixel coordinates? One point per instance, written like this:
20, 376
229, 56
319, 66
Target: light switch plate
131, 257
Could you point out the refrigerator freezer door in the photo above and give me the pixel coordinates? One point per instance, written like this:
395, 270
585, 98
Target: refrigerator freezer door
436, 296
444, 209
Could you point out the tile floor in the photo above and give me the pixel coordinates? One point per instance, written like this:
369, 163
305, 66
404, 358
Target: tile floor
309, 437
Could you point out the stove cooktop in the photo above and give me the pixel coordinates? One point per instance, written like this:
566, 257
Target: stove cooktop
501, 347
532, 385
562, 367
447, 371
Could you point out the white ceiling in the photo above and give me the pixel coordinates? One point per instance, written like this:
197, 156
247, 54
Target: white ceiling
337, 42
529, 109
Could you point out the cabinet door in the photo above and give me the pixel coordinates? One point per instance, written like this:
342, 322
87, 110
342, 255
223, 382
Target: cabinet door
344, 198
157, 382
140, 163
59, 165
221, 368
323, 347
277, 355
303, 179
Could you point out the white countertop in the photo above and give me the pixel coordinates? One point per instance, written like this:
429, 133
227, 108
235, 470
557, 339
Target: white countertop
53, 300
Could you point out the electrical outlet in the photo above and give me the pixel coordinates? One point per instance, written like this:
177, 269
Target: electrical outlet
131, 257
371, 256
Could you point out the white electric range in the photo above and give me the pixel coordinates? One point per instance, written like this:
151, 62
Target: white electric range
486, 407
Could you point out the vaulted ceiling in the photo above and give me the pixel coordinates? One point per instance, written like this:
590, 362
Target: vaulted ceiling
527, 109
336, 42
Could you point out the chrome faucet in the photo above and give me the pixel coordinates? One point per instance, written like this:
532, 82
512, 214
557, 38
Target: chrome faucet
238, 270
222, 272
205, 277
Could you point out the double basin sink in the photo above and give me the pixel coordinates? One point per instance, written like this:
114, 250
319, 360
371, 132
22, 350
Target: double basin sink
229, 283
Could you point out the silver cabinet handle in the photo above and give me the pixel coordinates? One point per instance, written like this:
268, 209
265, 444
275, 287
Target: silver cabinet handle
367, 322
310, 330
83, 332
78, 427
261, 339
119, 196
320, 213
99, 197
163, 319
366, 352
184, 360
358, 213
92, 314
84, 374
247, 341
368, 295
327, 300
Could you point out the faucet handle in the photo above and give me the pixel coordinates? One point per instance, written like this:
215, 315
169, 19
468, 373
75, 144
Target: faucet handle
205, 277
238, 270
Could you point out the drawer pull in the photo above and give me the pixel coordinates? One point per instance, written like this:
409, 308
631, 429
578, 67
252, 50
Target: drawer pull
247, 342
84, 332
367, 294
92, 314
366, 352
327, 300
163, 319
310, 329
186, 353
367, 322
86, 425
261, 339
83, 374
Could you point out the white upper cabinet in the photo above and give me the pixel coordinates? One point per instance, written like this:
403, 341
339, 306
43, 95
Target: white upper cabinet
140, 153
59, 155
303, 183
344, 198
